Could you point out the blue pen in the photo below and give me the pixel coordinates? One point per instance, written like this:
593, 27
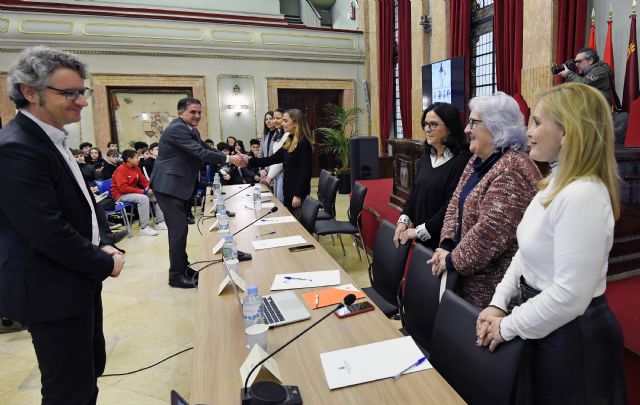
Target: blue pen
296, 278
416, 364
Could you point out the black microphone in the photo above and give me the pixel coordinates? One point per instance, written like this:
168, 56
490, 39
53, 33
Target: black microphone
269, 392
241, 190
242, 256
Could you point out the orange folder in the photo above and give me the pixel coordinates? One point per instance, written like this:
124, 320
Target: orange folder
331, 296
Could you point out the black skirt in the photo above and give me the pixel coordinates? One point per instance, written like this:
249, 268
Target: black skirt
579, 363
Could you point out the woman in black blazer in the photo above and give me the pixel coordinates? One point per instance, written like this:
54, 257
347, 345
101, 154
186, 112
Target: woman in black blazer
295, 155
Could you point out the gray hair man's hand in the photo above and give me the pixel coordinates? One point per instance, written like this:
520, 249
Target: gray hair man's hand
239, 160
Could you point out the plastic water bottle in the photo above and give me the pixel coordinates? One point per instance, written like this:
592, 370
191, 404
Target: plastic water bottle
220, 205
257, 199
223, 219
229, 249
217, 186
252, 307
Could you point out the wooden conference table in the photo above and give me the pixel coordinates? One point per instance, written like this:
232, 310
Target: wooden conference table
219, 342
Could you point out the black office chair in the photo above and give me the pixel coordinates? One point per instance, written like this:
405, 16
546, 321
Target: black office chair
322, 182
421, 298
386, 270
328, 200
350, 227
477, 375
310, 208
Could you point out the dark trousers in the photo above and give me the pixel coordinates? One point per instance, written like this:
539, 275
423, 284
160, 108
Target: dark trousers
71, 356
176, 219
579, 363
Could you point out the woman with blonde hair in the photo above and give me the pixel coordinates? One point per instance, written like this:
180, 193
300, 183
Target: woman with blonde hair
295, 155
574, 343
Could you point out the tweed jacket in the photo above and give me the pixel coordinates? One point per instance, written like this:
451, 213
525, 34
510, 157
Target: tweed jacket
492, 211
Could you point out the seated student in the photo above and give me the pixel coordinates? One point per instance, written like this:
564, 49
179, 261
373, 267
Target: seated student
85, 148
111, 164
229, 173
140, 147
149, 159
96, 160
88, 171
209, 143
251, 174
130, 185
111, 145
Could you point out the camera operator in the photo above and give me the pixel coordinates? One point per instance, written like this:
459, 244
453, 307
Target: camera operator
591, 71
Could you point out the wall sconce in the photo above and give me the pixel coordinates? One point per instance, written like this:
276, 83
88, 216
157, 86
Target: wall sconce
425, 22
236, 105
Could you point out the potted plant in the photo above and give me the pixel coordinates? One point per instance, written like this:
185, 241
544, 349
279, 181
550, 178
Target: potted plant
336, 141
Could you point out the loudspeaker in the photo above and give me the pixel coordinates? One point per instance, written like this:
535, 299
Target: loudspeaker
363, 154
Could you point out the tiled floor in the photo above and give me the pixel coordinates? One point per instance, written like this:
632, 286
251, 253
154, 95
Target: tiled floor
145, 320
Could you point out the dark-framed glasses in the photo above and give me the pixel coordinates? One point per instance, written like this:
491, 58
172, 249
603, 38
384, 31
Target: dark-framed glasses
73, 94
473, 122
432, 125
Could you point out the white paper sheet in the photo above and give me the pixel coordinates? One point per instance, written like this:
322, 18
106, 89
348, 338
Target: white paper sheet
265, 206
278, 242
276, 220
306, 280
371, 362
256, 355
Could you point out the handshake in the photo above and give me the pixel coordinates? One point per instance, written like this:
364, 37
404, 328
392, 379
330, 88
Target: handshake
239, 160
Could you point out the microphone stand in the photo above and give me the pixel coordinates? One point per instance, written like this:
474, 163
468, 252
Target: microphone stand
246, 398
241, 190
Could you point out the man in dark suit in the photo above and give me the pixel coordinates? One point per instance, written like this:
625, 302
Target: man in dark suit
52, 261
181, 152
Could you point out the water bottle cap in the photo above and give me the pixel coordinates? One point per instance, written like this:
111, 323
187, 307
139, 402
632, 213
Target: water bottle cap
252, 290
228, 238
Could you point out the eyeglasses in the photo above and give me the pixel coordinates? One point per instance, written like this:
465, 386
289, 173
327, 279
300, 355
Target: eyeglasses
432, 125
473, 122
579, 60
73, 94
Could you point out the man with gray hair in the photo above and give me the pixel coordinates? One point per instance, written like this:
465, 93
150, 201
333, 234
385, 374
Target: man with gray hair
52, 260
591, 71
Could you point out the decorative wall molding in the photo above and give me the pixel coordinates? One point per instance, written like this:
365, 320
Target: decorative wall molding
100, 82
7, 108
48, 27
128, 36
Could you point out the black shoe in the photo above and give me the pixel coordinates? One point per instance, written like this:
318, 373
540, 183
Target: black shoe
191, 273
182, 281
115, 237
7, 326
191, 220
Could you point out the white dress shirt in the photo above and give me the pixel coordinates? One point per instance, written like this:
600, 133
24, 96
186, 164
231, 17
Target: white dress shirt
59, 139
274, 170
564, 252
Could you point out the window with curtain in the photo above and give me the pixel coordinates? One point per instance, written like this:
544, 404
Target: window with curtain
483, 68
397, 117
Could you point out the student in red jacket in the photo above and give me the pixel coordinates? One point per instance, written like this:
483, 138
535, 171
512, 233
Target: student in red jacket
128, 184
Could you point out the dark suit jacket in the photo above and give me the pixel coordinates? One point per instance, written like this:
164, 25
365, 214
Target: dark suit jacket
49, 269
180, 154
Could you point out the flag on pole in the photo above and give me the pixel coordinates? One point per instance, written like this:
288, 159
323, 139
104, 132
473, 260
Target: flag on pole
592, 31
609, 60
631, 90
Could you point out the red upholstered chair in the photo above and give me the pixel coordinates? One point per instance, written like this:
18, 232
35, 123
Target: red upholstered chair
524, 107
633, 125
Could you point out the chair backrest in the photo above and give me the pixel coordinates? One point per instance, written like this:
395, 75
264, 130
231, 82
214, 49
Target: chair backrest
387, 267
309, 213
358, 193
322, 183
330, 194
419, 304
104, 185
477, 375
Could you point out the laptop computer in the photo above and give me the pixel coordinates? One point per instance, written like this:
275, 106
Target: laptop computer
279, 309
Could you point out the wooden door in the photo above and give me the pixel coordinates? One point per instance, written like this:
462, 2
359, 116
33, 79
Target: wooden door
313, 104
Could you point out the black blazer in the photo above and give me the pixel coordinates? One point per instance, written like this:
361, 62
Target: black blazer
49, 269
297, 170
180, 154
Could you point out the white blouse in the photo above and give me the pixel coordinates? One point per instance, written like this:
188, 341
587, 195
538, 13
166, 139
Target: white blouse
564, 252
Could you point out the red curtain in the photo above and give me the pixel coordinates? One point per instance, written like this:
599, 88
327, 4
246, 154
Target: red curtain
507, 41
460, 36
572, 24
404, 64
385, 69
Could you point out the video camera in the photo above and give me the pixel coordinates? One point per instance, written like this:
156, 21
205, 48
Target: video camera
570, 64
